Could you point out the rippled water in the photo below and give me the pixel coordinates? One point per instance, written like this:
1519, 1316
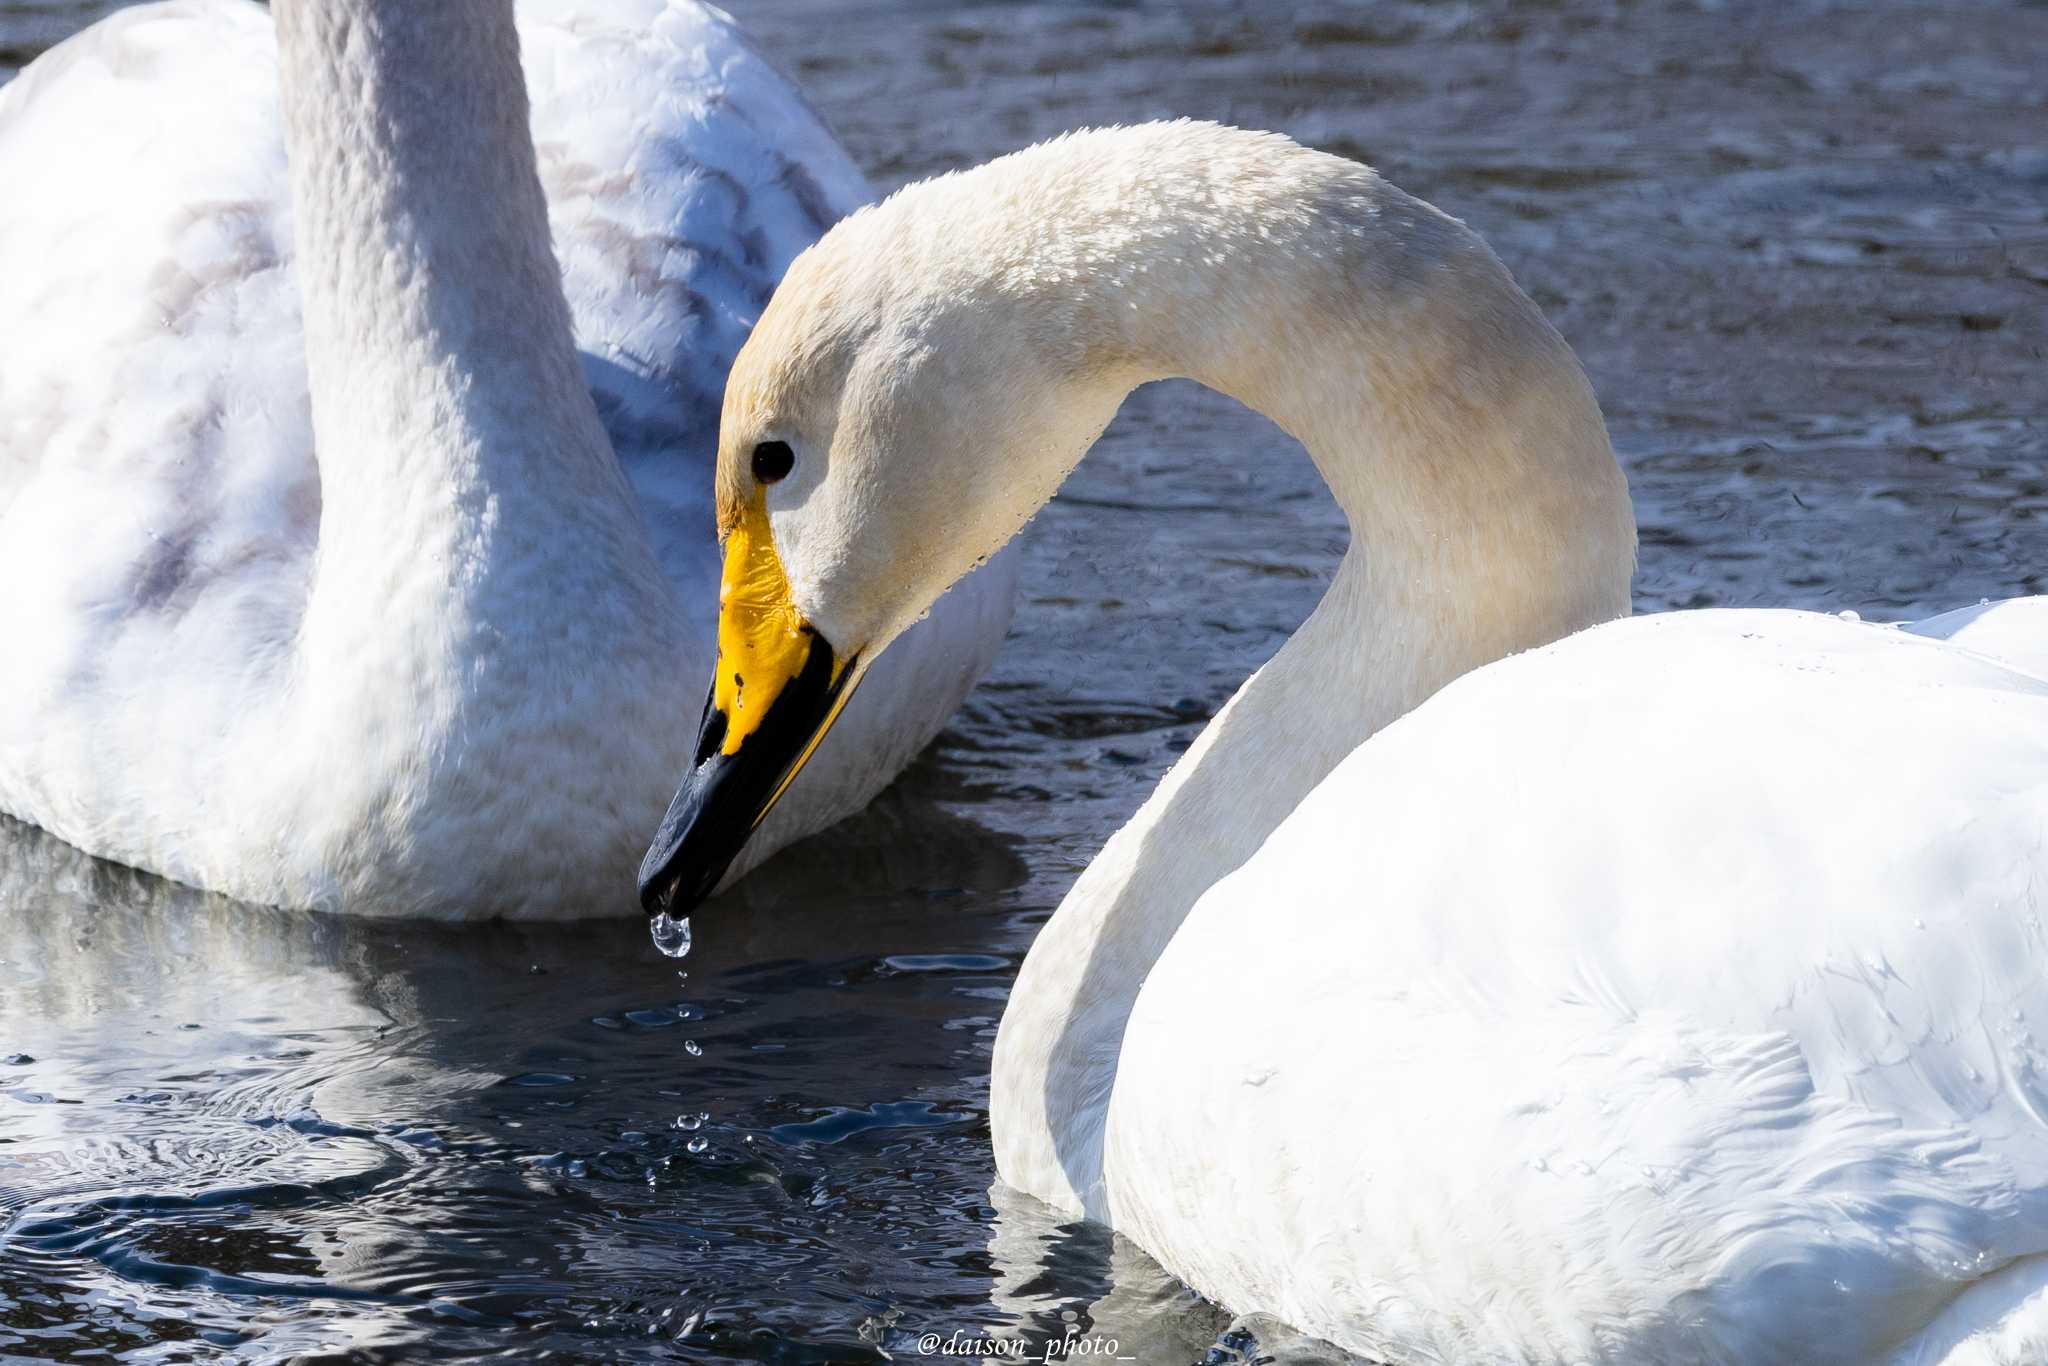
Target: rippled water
1803, 249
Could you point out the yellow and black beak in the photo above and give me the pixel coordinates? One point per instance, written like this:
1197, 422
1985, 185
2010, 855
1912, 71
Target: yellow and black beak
778, 688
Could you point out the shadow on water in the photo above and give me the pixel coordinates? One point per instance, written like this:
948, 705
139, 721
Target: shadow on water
234, 1130
223, 1122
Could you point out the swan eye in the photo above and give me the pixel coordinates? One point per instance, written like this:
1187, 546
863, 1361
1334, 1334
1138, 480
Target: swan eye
772, 460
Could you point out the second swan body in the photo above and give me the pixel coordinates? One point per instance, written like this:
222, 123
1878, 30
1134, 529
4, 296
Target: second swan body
1495, 979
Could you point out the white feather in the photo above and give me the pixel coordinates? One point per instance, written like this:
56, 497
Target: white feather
161, 499
1491, 980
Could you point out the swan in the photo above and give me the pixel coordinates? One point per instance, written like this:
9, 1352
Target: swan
1497, 977
325, 586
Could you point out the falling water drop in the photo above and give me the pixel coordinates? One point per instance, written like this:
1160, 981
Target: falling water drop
671, 936
698, 1144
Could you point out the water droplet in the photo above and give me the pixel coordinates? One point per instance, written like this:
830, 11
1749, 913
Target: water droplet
671, 936
1849, 614
698, 1144
693, 1048
692, 1123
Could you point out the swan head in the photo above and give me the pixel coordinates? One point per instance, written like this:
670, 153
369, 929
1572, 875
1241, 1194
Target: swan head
934, 366
915, 390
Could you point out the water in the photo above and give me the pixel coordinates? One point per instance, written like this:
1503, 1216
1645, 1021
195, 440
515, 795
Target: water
671, 936
1803, 249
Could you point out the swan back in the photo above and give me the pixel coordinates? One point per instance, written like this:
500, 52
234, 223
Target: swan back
156, 480
1653, 996
2014, 631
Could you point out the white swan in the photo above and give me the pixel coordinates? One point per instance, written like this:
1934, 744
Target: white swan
1673, 992
446, 667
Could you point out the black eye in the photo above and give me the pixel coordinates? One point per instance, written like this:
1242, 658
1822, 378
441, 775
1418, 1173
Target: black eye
772, 460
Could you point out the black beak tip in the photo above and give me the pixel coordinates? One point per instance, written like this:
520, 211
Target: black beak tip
726, 794
680, 869
660, 891
664, 891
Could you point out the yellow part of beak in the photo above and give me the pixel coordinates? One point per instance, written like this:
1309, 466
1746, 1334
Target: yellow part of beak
763, 640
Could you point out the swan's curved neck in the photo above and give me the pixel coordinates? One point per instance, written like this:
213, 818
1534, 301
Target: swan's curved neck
438, 339
450, 413
1488, 515
482, 581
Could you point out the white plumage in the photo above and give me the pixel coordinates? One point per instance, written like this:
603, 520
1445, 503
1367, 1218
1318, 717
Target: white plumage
1492, 980
1671, 993
166, 520
2014, 631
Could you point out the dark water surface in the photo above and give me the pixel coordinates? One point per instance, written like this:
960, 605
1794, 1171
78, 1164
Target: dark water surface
1803, 249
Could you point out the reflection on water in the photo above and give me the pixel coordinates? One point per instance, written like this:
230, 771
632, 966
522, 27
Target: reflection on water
1803, 250
289, 1135
326, 1132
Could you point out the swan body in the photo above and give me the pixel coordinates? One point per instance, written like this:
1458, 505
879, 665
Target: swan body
1497, 978
1670, 993
2014, 631
327, 586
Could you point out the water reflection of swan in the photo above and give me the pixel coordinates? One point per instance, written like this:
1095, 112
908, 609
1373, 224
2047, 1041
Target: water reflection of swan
1080, 1292
384, 1122
1665, 993
446, 665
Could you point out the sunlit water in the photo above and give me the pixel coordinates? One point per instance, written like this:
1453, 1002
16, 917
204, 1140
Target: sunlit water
1803, 249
